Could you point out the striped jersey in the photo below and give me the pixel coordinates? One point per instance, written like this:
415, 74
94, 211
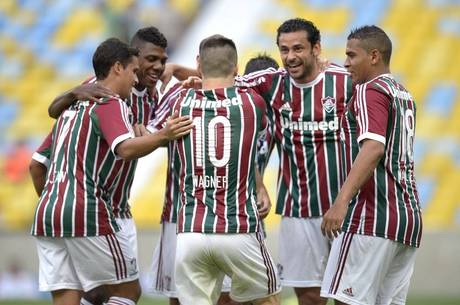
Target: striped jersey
83, 170
217, 160
305, 120
388, 203
158, 119
142, 105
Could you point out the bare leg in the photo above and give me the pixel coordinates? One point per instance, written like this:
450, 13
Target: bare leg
66, 297
270, 300
130, 290
225, 299
96, 296
174, 301
309, 296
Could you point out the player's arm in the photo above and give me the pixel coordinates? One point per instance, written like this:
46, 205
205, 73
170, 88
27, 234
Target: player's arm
133, 148
84, 92
37, 172
372, 112
178, 71
362, 169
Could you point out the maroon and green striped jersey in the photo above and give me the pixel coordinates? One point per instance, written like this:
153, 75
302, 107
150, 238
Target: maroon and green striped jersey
388, 203
305, 120
83, 170
142, 105
159, 117
217, 160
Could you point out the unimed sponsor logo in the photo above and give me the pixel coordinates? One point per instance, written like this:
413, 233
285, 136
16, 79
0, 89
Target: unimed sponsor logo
310, 125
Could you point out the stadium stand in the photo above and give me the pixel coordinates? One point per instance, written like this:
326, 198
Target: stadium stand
42, 55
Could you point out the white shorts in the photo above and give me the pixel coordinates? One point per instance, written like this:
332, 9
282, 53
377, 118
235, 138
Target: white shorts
84, 263
368, 270
303, 252
161, 274
202, 260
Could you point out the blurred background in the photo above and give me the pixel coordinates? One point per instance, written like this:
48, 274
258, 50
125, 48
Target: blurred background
46, 48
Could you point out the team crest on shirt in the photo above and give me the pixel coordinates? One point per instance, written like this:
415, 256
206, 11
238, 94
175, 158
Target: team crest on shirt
328, 104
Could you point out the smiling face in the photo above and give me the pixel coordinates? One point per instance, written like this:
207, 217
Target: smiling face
299, 57
152, 61
358, 62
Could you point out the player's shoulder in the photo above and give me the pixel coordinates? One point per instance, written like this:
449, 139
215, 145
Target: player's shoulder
252, 95
259, 77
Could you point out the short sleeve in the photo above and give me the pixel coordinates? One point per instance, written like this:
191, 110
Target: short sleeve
371, 111
259, 81
43, 152
113, 121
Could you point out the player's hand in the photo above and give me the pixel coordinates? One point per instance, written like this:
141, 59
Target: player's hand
323, 63
177, 126
192, 82
166, 77
333, 219
140, 130
263, 202
91, 92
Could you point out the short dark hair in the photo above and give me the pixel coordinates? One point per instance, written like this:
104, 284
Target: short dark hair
218, 56
300, 24
259, 62
373, 37
149, 34
108, 53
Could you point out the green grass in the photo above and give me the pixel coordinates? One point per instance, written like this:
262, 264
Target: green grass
288, 301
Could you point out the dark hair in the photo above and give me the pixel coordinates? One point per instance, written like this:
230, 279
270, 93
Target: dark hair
108, 53
218, 56
149, 34
300, 24
261, 61
372, 37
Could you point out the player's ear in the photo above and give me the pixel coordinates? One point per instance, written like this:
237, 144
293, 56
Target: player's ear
316, 49
117, 67
235, 73
375, 56
198, 65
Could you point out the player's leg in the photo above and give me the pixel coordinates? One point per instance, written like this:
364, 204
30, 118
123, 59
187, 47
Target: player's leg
303, 254
66, 297
357, 268
198, 278
225, 298
96, 296
161, 274
109, 260
396, 283
56, 271
246, 259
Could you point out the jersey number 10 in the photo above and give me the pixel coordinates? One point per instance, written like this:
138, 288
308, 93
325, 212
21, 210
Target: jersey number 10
213, 141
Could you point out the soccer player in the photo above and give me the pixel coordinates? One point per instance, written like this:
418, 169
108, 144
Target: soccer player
80, 244
218, 221
372, 260
305, 103
162, 270
143, 103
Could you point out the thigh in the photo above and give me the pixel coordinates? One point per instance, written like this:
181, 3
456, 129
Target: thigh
56, 268
303, 252
198, 278
246, 259
395, 285
357, 267
105, 260
161, 274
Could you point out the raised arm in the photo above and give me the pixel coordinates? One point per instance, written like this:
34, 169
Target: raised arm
178, 71
85, 92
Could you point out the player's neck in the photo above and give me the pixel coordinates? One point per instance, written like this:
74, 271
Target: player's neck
310, 76
213, 83
111, 84
377, 72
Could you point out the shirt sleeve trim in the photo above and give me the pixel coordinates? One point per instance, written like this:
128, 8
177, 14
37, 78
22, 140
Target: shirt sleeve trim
118, 140
372, 136
41, 158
